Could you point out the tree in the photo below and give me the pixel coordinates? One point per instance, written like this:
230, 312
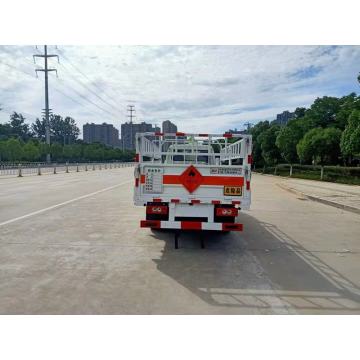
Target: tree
320, 145
287, 139
323, 111
56, 151
13, 150
256, 131
349, 103
31, 151
18, 126
63, 131
350, 139
269, 151
38, 129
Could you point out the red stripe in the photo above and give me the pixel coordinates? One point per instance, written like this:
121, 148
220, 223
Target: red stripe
180, 134
215, 202
159, 134
157, 200
236, 202
175, 200
191, 225
204, 135
249, 159
207, 180
247, 185
150, 223
194, 201
227, 135
232, 227
137, 157
136, 182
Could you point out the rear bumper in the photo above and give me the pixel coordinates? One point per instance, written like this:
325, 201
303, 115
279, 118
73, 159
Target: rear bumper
190, 225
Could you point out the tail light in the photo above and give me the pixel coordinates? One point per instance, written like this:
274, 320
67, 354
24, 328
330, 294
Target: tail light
247, 185
226, 212
157, 209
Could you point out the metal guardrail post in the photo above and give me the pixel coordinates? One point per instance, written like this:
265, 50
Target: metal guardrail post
67, 168
290, 174
54, 168
19, 171
93, 167
39, 169
86, 169
77, 167
275, 170
322, 173
105, 166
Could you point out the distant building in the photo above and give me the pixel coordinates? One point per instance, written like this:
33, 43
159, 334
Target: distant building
236, 131
168, 127
128, 131
104, 133
283, 118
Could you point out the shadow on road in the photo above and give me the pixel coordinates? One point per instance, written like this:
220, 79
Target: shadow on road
261, 269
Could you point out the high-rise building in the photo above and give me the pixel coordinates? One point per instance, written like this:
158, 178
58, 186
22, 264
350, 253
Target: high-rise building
168, 127
128, 131
283, 118
104, 133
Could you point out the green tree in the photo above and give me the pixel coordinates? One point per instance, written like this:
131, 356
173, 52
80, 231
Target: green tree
349, 103
13, 150
38, 129
320, 145
287, 139
269, 151
18, 126
323, 111
56, 151
256, 131
30, 151
350, 139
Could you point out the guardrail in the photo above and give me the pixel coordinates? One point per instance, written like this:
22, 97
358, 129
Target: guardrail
24, 169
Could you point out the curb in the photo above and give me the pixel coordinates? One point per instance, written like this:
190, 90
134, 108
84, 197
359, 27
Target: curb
320, 200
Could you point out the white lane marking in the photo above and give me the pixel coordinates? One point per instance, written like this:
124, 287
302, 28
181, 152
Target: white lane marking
62, 204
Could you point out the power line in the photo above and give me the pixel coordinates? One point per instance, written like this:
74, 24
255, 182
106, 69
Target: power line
93, 84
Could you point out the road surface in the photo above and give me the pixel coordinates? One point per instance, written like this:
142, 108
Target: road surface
71, 244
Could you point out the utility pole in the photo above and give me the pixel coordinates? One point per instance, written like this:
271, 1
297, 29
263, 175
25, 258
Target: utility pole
131, 110
248, 125
46, 70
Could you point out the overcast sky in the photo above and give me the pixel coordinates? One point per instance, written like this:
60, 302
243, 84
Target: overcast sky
200, 88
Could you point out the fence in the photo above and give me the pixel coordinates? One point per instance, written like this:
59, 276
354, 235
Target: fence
340, 174
25, 169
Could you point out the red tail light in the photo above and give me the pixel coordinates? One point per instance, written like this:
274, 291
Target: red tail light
226, 212
137, 182
249, 159
247, 185
157, 209
137, 157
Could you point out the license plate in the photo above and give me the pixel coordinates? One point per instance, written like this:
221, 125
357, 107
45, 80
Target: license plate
233, 190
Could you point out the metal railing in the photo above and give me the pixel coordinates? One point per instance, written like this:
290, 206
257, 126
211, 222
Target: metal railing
25, 169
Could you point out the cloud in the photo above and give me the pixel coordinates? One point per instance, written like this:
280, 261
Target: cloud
198, 87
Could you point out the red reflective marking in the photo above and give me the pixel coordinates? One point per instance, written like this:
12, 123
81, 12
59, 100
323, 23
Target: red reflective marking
150, 223
215, 202
136, 182
194, 201
236, 202
180, 134
191, 225
247, 185
142, 179
204, 135
137, 157
157, 209
227, 135
249, 159
157, 200
159, 134
175, 200
232, 227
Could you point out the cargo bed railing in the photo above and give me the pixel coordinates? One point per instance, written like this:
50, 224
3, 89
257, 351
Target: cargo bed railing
156, 146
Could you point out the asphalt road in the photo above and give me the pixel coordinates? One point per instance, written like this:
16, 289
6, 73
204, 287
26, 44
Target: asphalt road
71, 244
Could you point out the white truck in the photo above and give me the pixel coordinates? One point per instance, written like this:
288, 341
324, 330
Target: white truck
192, 181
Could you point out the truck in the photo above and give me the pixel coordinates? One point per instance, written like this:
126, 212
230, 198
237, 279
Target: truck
192, 181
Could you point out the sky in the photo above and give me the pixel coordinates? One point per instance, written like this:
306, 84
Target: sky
200, 88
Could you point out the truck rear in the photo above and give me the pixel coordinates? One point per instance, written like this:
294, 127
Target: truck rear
192, 181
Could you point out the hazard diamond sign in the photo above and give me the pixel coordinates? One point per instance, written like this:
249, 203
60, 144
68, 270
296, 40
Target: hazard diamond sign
191, 178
